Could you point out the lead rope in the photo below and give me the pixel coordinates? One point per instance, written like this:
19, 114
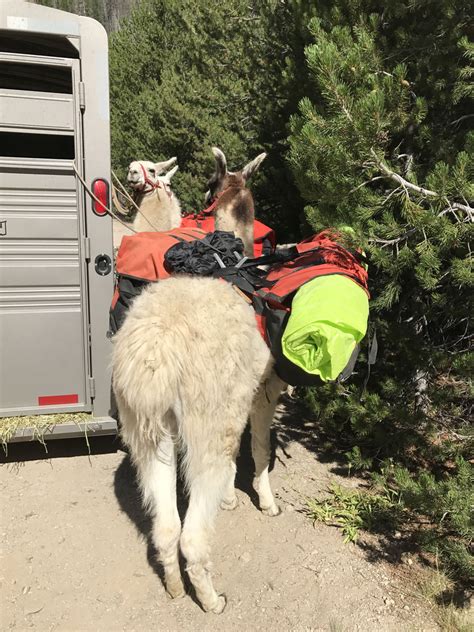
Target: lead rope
108, 211
124, 191
133, 202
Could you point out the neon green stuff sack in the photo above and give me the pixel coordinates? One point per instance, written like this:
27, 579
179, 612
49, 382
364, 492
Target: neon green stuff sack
328, 319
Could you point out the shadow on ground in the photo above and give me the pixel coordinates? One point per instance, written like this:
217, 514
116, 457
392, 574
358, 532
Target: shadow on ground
59, 448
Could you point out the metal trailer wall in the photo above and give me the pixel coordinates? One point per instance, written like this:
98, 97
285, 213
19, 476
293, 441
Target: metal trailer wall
54, 295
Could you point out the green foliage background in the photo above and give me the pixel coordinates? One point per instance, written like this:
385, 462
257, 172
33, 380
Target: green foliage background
391, 111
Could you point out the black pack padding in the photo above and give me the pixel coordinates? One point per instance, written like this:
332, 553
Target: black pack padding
128, 288
197, 257
275, 323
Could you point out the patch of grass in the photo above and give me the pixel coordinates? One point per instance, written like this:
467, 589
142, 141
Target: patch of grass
41, 424
352, 511
335, 626
433, 586
435, 512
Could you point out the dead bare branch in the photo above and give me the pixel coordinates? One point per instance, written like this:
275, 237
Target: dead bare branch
392, 242
409, 186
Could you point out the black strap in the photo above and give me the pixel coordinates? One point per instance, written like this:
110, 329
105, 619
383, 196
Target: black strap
246, 281
250, 281
282, 256
371, 359
178, 238
288, 254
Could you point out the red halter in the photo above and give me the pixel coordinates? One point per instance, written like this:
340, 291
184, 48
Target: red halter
215, 200
153, 185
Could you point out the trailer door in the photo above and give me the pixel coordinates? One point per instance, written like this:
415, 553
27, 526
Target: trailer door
44, 361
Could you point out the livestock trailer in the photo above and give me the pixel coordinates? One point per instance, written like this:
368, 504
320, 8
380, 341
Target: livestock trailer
56, 247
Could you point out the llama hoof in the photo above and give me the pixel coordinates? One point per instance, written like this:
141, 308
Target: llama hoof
221, 604
229, 505
175, 591
273, 510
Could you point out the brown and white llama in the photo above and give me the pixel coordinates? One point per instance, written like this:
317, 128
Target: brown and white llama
159, 207
189, 369
234, 207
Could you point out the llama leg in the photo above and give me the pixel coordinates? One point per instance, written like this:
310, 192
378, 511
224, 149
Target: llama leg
206, 492
260, 421
229, 501
158, 480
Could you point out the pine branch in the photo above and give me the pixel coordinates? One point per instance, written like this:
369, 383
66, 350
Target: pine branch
409, 186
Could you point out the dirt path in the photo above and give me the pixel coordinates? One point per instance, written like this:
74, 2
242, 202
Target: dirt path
76, 552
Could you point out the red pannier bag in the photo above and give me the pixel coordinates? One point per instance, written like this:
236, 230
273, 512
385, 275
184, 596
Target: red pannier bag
140, 260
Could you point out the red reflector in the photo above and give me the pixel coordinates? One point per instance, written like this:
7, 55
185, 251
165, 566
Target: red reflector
55, 400
100, 188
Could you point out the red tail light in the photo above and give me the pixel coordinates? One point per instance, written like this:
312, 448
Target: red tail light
100, 188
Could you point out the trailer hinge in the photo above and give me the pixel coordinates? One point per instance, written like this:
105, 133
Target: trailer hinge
82, 96
92, 387
86, 245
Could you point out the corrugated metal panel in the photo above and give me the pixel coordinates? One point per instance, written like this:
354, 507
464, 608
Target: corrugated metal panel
54, 212
37, 298
30, 110
41, 295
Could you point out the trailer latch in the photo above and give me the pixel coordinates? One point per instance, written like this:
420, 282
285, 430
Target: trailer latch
103, 265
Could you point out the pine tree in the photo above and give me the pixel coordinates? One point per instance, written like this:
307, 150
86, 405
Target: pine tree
383, 144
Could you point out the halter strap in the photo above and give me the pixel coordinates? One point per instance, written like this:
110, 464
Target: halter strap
210, 209
153, 185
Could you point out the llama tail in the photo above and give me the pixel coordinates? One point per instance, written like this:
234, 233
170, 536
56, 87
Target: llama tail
146, 380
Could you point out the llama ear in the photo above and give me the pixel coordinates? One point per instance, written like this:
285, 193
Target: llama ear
163, 166
221, 162
167, 177
252, 166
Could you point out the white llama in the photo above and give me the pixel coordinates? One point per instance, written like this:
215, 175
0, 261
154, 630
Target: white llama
188, 364
159, 207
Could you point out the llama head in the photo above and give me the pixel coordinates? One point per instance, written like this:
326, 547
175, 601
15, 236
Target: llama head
222, 179
143, 175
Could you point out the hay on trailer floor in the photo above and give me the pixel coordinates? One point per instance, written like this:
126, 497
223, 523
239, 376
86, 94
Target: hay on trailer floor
40, 425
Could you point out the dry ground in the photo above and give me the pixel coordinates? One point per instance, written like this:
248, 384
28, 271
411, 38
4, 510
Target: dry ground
77, 555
